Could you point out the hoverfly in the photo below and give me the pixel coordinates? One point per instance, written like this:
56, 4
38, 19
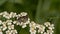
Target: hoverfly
23, 19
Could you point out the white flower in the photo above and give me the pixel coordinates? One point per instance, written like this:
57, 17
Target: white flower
14, 22
0, 22
18, 23
37, 25
50, 31
32, 31
47, 24
6, 15
4, 23
46, 33
23, 14
12, 14
14, 31
9, 22
8, 32
41, 29
51, 27
32, 25
1, 31
18, 16
11, 27
23, 26
5, 12
4, 27
11, 31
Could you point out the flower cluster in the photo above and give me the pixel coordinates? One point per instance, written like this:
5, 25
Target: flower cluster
22, 19
50, 28
46, 28
32, 26
7, 26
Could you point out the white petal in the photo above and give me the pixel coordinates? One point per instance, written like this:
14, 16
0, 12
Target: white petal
23, 26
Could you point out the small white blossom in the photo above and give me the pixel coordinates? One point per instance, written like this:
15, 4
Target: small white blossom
4, 23
23, 26
18, 16
5, 12
11, 31
0, 22
45, 33
12, 15
32, 25
11, 27
18, 23
51, 27
9, 22
6, 15
41, 29
50, 31
4, 27
1, 31
32, 31
14, 22
23, 14
47, 24
14, 31
37, 25
8, 32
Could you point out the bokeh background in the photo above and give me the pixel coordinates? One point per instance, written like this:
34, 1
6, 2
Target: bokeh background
39, 11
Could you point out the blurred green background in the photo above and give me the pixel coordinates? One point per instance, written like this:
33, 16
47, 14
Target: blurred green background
39, 11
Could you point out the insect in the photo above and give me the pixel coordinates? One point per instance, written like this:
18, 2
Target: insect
23, 19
